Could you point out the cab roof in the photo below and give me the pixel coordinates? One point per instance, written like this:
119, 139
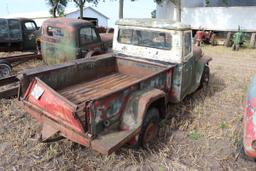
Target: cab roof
153, 23
67, 22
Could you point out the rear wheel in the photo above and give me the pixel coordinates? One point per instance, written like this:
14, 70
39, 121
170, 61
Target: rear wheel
150, 127
5, 69
205, 77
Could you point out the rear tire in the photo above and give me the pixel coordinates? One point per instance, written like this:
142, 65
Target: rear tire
150, 127
205, 77
5, 69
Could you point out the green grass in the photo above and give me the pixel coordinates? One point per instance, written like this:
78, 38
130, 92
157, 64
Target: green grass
223, 125
194, 135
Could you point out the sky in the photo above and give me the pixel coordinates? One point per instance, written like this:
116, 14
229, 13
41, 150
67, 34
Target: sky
137, 9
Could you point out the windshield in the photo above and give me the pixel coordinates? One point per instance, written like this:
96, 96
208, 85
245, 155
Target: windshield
153, 39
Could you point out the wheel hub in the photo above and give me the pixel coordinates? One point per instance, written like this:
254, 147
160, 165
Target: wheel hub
5, 70
150, 133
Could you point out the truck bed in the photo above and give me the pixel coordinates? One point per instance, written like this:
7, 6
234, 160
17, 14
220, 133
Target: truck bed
99, 87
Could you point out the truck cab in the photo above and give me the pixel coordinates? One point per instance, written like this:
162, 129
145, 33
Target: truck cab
17, 34
164, 41
64, 39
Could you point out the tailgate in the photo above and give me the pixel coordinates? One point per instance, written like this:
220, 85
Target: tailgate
62, 112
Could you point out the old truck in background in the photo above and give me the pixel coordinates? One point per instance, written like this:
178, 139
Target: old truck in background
117, 98
64, 39
17, 34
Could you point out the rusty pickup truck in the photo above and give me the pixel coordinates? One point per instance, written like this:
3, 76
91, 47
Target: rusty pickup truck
65, 39
17, 34
117, 98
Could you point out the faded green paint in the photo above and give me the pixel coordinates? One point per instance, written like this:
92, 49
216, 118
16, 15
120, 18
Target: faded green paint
63, 50
187, 82
60, 40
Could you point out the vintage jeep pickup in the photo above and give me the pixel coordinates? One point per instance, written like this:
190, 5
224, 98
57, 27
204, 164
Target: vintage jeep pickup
17, 34
64, 39
117, 98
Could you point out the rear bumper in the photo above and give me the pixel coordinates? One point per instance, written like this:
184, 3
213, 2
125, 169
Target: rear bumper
65, 130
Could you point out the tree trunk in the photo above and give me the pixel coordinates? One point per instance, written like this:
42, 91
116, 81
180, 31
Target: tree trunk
178, 10
81, 11
55, 10
121, 9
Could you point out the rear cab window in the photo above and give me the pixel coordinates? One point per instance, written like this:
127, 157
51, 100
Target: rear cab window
146, 38
87, 35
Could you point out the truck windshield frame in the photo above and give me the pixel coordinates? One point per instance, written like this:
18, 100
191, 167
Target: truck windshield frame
146, 38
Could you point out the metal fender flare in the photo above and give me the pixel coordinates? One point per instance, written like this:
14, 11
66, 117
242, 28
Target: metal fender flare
205, 60
138, 104
201, 63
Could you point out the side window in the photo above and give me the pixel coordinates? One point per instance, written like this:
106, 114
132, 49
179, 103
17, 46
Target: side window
30, 26
55, 32
187, 43
87, 35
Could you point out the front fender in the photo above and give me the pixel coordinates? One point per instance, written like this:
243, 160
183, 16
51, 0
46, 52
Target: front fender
199, 68
138, 104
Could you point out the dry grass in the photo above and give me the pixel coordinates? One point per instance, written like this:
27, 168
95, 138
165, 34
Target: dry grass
203, 132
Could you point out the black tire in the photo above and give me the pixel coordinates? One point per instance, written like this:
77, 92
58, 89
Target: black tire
5, 69
151, 117
205, 77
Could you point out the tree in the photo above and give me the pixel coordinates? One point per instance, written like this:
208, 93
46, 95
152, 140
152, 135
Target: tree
121, 8
153, 14
57, 6
81, 3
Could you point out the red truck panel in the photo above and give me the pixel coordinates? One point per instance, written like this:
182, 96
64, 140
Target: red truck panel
54, 105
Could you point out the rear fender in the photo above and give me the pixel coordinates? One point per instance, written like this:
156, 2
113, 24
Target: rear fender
138, 104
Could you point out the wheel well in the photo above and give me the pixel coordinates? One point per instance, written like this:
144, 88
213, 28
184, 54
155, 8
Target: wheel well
160, 105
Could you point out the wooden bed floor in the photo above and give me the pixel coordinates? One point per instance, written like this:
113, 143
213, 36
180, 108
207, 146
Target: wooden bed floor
90, 90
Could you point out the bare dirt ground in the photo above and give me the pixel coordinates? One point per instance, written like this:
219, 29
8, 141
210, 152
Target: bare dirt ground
203, 133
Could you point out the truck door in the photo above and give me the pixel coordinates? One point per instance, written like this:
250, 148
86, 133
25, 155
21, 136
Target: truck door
89, 40
187, 64
29, 42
